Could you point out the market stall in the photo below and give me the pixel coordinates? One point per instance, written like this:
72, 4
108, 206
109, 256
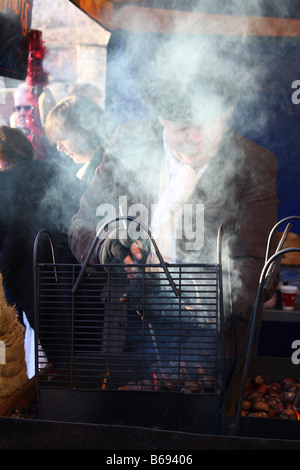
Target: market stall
188, 398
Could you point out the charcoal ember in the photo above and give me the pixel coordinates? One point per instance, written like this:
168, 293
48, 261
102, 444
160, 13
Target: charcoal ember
145, 385
170, 379
18, 412
132, 386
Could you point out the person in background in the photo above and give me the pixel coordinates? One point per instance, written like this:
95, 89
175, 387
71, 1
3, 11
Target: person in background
23, 106
29, 117
35, 194
81, 129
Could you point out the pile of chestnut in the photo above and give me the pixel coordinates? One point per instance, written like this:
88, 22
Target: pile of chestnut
274, 401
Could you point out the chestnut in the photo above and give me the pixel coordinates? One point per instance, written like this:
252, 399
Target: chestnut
254, 396
279, 408
287, 383
271, 401
257, 398
274, 388
272, 413
248, 388
261, 406
262, 389
258, 414
288, 397
288, 414
246, 405
257, 380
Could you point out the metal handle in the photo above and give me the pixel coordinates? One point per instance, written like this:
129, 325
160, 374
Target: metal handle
146, 229
286, 219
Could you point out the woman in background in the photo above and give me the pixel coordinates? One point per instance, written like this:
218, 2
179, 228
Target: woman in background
81, 129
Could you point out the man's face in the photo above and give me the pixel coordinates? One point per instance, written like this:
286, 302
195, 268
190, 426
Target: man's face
194, 143
22, 107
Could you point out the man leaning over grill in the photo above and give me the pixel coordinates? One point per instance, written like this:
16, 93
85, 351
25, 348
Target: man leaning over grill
188, 154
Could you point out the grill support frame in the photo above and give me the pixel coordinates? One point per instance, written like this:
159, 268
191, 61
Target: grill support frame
208, 404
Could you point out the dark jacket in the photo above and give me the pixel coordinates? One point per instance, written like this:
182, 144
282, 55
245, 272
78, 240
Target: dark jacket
34, 195
238, 189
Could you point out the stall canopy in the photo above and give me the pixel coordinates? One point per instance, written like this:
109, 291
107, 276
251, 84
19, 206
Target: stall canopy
254, 18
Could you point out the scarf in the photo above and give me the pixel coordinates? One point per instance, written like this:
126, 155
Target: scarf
178, 181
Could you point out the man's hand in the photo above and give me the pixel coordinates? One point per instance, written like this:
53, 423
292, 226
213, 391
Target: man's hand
116, 249
137, 254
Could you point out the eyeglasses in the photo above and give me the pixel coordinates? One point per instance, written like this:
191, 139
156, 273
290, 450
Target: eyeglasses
26, 108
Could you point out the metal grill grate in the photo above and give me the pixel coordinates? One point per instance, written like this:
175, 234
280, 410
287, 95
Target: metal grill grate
155, 341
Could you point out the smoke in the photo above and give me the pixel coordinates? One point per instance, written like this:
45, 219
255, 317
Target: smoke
234, 62
249, 65
252, 60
